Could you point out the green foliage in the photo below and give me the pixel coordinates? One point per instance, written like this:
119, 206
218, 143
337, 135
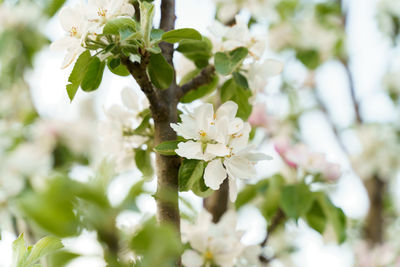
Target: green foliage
286, 8
115, 66
230, 90
178, 35
157, 245
119, 25
226, 63
61, 258
94, 75
310, 58
296, 200
201, 91
78, 73
190, 172
146, 22
198, 51
316, 218
52, 6
160, 71
24, 256
272, 197
240, 80
167, 148
143, 162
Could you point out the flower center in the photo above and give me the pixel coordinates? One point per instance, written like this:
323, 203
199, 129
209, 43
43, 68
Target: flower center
73, 31
102, 12
208, 256
202, 133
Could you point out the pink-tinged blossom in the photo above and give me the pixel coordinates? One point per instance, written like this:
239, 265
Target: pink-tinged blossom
299, 156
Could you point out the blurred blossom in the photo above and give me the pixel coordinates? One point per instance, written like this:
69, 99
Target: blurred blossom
300, 156
216, 243
385, 254
380, 150
117, 136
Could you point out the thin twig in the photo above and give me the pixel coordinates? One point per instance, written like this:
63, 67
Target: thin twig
204, 77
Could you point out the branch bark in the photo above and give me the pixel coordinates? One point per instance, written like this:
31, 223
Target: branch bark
203, 78
217, 203
374, 223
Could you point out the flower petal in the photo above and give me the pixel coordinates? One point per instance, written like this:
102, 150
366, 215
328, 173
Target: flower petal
233, 191
191, 258
190, 150
214, 174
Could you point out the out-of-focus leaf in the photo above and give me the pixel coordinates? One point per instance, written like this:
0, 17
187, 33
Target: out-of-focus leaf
296, 200
178, 35
143, 162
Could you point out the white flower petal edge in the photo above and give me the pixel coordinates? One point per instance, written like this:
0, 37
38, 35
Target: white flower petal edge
214, 174
191, 258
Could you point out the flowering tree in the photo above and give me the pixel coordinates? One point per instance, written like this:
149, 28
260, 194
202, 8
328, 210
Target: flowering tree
197, 127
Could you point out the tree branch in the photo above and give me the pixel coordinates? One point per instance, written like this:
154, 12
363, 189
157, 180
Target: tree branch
275, 223
217, 203
204, 77
167, 23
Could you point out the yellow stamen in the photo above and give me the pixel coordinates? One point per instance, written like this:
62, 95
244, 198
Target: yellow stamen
102, 12
208, 255
73, 31
202, 133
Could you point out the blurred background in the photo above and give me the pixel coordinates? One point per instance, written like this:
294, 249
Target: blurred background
338, 94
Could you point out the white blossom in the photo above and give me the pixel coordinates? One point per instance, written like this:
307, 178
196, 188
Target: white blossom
212, 243
221, 139
116, 139
101, 11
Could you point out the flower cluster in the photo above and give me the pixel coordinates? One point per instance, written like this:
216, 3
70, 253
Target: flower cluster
117, 134
381, 154
83, 21
216, 244
388, 13
299, 156
221, 139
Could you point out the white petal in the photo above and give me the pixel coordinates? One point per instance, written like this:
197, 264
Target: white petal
129, 99
64, 43
233, 191
240, 168
71, 55
214, 174
272, 67
190, 150
204, 115
219, 150
228, 109
191, 258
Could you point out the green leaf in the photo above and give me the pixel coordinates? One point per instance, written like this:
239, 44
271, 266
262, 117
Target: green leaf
200, 189
246, 195
19, 250
161, 73
190, 172
334, 215
61, 258
167, 148
52, 6
156, 35
119, 70
178, 35
115, 26
78, 73
94, 75
158, 245
272, 196
316, 218
240, 80
296, 200
310, 58
146, 21
198, 51
226, 63
231, 91
143, 162
43, 247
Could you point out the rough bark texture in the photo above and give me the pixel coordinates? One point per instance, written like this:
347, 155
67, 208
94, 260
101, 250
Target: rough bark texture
217, 203
374, 223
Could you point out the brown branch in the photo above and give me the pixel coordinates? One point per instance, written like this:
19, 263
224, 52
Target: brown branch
204, 77
167, 23
353, 95
217, 203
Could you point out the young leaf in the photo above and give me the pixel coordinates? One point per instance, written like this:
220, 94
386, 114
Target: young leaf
146, 21
316, 218
199, 51
143, 162
115, 26
160, 72
240, 80
178, 35
94, 75
119, 70
272, 196
296, 200
19, 250
167, 148
231, 91
78, 73
226, 63
43, 247
190, 172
